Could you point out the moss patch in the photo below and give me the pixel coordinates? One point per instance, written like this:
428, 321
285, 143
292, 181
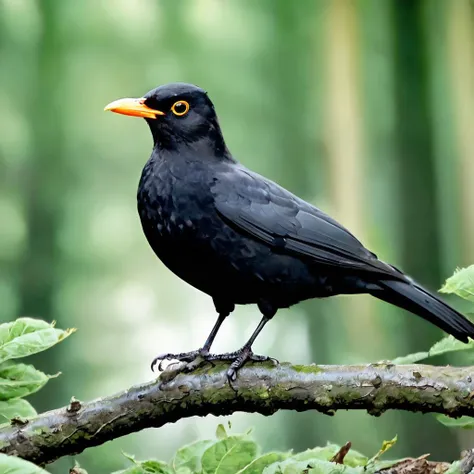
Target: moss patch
307, 369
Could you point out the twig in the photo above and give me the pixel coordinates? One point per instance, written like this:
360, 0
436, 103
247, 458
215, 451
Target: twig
419, 465
338, 458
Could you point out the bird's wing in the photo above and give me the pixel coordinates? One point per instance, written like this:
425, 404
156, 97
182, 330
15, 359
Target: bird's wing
260, 208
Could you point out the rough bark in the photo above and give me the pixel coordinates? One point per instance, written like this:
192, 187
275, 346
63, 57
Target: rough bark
261, 388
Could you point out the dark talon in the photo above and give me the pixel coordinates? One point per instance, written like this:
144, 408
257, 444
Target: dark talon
238, 363
231, 375
274, 361
194, 359
238, 359
182, 357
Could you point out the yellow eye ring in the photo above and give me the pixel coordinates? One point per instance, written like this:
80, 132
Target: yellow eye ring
180, 108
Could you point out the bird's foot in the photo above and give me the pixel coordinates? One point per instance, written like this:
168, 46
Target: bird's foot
194, 359
238, 359
189, 357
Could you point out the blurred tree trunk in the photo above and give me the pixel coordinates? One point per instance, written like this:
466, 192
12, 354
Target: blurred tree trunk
290, 83
461, 62
44, 186
346, 153
418, 197
443, 124
297, 162
354, 322
460, 58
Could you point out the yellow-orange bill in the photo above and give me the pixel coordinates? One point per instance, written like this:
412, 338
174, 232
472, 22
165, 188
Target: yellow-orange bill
133, 107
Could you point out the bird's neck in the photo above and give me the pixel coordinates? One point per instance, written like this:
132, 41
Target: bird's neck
208, 141
201, 149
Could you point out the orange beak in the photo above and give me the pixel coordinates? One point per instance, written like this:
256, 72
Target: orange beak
133, 107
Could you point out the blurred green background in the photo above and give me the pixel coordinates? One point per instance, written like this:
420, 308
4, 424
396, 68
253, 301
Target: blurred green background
364, 107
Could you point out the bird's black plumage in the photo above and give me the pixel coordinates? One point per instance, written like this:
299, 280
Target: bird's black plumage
242, 238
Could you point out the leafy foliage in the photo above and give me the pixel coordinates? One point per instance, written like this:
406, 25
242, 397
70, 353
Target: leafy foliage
462, 285
13, 465
147, 467
21, 338
27, 336
16, 409
189, 457
465, 422
445, 346
239, 454
20, 380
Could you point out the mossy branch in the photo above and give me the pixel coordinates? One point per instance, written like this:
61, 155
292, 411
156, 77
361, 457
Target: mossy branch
260, 388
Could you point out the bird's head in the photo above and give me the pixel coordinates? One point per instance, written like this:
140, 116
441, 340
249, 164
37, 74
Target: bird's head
177, 114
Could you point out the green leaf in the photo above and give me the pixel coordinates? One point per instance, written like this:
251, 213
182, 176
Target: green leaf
410, 358
130, 457
16, 408
286, 467
185, 470
77, 469
310, 466
147, 467
326, 467
455, 468
444, 346
258, 465
228, 455
319, 466
156, 467
190, 456
324, 453
353, 458
221, 432
465, 422
386, 445
289, 466
450, 344
14, 465
461, 283
27, 336
20, 380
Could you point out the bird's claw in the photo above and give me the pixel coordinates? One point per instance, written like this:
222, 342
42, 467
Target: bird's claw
244, 356
188, 357
238, 359
194, 359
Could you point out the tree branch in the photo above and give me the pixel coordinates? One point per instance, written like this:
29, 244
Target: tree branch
260, 388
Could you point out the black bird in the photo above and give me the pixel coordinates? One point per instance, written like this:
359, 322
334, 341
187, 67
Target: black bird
242, 238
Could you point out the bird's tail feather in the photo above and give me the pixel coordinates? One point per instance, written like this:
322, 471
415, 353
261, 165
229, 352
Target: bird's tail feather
408, 295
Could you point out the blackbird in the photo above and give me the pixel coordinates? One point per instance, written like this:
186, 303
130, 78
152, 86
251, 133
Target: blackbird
242, 238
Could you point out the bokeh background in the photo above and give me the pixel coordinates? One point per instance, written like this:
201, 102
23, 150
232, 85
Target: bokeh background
365, 108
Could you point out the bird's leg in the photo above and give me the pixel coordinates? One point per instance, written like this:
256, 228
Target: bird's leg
192, 355
240, 357
201, 353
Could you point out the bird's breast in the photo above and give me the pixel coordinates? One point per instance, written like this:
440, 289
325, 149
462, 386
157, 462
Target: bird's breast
185, 230
176, 212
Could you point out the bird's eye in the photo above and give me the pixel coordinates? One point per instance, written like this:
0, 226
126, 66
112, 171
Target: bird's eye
180, 108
